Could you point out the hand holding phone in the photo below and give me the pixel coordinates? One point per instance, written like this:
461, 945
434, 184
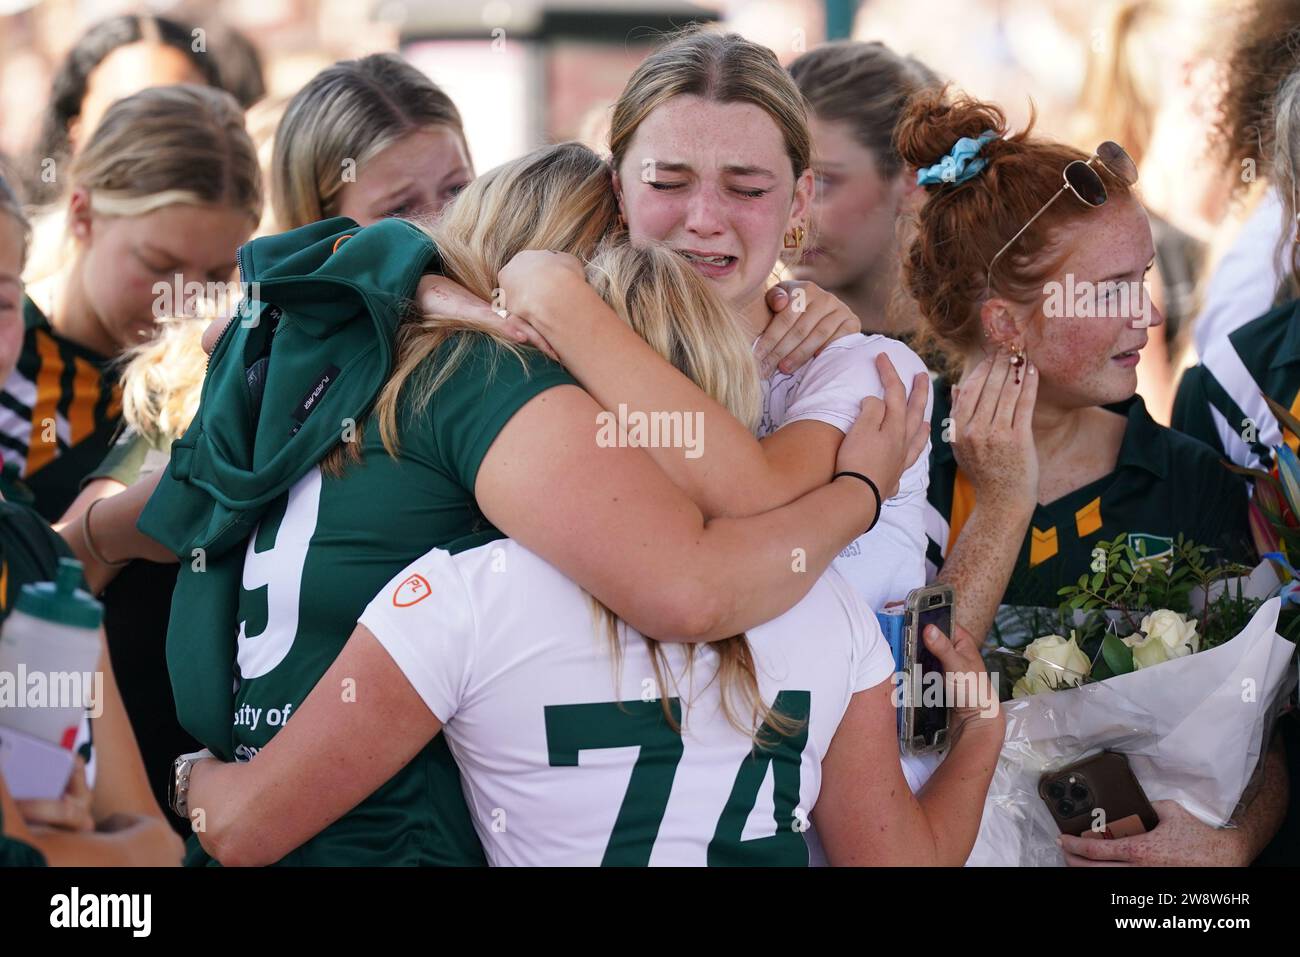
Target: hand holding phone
1099, 794
926, 709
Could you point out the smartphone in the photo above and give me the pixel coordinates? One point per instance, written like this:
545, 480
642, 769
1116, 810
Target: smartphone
925, 708
1098, 794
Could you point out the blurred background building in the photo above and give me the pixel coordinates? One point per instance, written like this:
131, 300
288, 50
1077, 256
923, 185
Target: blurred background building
528, 71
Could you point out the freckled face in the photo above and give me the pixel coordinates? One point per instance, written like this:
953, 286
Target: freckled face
714, 182
1085, 360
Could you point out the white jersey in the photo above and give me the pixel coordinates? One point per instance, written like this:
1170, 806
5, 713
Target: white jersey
564, 752
889, 561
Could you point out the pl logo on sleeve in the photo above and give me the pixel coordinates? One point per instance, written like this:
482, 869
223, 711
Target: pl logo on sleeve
414, 589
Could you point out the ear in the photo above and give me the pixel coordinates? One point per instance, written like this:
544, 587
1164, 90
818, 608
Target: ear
617, 183
79, 214
1000, 325
802, 202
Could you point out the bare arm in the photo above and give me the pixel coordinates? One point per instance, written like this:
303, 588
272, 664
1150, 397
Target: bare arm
613, 522
867, 815
302, 781
112, 526
737, 475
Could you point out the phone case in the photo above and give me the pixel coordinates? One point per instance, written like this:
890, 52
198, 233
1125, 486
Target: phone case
908, 741
1102, 782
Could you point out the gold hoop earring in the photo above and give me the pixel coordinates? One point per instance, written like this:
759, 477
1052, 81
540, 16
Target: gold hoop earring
793, 238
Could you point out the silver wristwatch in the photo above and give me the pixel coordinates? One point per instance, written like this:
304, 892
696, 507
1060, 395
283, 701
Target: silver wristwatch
179, 790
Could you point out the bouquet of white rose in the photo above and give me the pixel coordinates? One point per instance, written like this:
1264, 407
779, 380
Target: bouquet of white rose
1189, 696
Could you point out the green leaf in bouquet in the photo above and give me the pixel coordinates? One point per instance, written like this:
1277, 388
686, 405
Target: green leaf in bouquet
1117, 655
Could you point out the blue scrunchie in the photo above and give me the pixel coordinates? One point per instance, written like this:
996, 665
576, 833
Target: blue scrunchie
963, 162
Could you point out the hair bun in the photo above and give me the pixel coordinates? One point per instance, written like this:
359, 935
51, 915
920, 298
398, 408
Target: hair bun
931, 124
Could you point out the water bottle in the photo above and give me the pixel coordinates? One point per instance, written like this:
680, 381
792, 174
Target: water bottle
49, 654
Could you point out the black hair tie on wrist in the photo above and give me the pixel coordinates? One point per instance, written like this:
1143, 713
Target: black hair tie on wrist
874, 491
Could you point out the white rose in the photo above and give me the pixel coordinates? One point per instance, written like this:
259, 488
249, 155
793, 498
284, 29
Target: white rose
1178, 634
1147, 651
1054, 663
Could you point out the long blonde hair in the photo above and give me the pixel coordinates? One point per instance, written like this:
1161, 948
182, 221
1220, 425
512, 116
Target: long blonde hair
559, 198
162, 380
348, 112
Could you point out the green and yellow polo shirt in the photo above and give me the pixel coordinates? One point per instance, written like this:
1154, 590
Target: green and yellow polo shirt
59, 411
1164, 483
1221, 401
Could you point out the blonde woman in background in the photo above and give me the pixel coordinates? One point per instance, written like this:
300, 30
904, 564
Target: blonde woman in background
366, 139
163, 194
106, 815
157, 202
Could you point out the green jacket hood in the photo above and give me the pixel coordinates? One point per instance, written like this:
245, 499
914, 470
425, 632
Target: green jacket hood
302, 361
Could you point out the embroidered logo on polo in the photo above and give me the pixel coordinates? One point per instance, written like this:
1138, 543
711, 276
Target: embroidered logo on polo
1150, 546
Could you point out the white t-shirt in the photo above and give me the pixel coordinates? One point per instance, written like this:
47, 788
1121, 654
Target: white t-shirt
564, 754
889, 561
1247, 277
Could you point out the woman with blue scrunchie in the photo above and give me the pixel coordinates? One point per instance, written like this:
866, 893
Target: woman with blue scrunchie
1028, 266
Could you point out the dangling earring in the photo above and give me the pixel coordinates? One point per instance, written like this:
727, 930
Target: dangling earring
793, 238
1017, 360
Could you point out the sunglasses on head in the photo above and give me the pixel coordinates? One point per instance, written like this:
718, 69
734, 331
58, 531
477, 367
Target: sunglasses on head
1085, 183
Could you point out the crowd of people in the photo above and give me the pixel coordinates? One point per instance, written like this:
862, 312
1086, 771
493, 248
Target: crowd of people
838, 280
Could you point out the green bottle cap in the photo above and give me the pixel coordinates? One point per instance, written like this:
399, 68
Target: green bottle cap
62, 601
